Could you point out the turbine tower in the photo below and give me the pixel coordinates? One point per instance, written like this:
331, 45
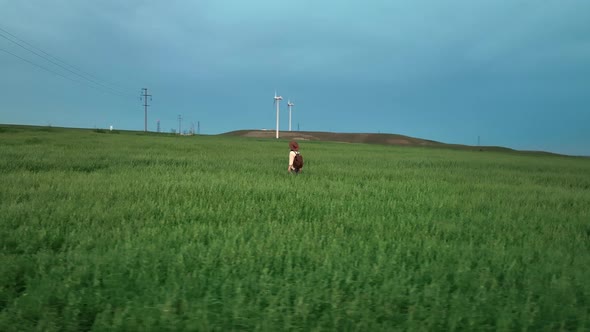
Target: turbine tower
290, 104
277, 102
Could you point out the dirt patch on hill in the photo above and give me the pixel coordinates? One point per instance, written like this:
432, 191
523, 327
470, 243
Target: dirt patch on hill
367, 138
272, 134
398, 141
387, 139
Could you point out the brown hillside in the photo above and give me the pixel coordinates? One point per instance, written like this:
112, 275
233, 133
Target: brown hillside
385, 139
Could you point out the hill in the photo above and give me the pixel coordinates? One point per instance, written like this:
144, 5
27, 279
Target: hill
367, 138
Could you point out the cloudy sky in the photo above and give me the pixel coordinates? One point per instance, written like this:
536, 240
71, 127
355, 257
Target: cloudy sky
514, 73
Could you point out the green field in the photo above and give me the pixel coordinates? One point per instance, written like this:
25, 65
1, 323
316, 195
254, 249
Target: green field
127, 231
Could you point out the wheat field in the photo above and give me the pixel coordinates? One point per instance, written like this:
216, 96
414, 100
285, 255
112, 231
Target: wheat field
126, 231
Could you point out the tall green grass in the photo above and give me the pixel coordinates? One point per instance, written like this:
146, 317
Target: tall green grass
129, 232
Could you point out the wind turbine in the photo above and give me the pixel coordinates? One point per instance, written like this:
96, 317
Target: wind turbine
277, 102
290, 104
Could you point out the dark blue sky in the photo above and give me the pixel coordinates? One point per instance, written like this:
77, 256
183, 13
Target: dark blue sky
515, 73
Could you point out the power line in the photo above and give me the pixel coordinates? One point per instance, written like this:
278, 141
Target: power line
55, 57
111, 90
61, 66
58, 74
44, 68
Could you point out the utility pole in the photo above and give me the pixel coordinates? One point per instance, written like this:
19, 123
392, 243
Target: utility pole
158, 129
145, 105
179, 123
198, 127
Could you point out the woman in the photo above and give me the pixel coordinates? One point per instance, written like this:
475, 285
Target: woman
294, 166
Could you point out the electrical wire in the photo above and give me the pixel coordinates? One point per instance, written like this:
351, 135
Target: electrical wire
58, 74
104, 87
58, 59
